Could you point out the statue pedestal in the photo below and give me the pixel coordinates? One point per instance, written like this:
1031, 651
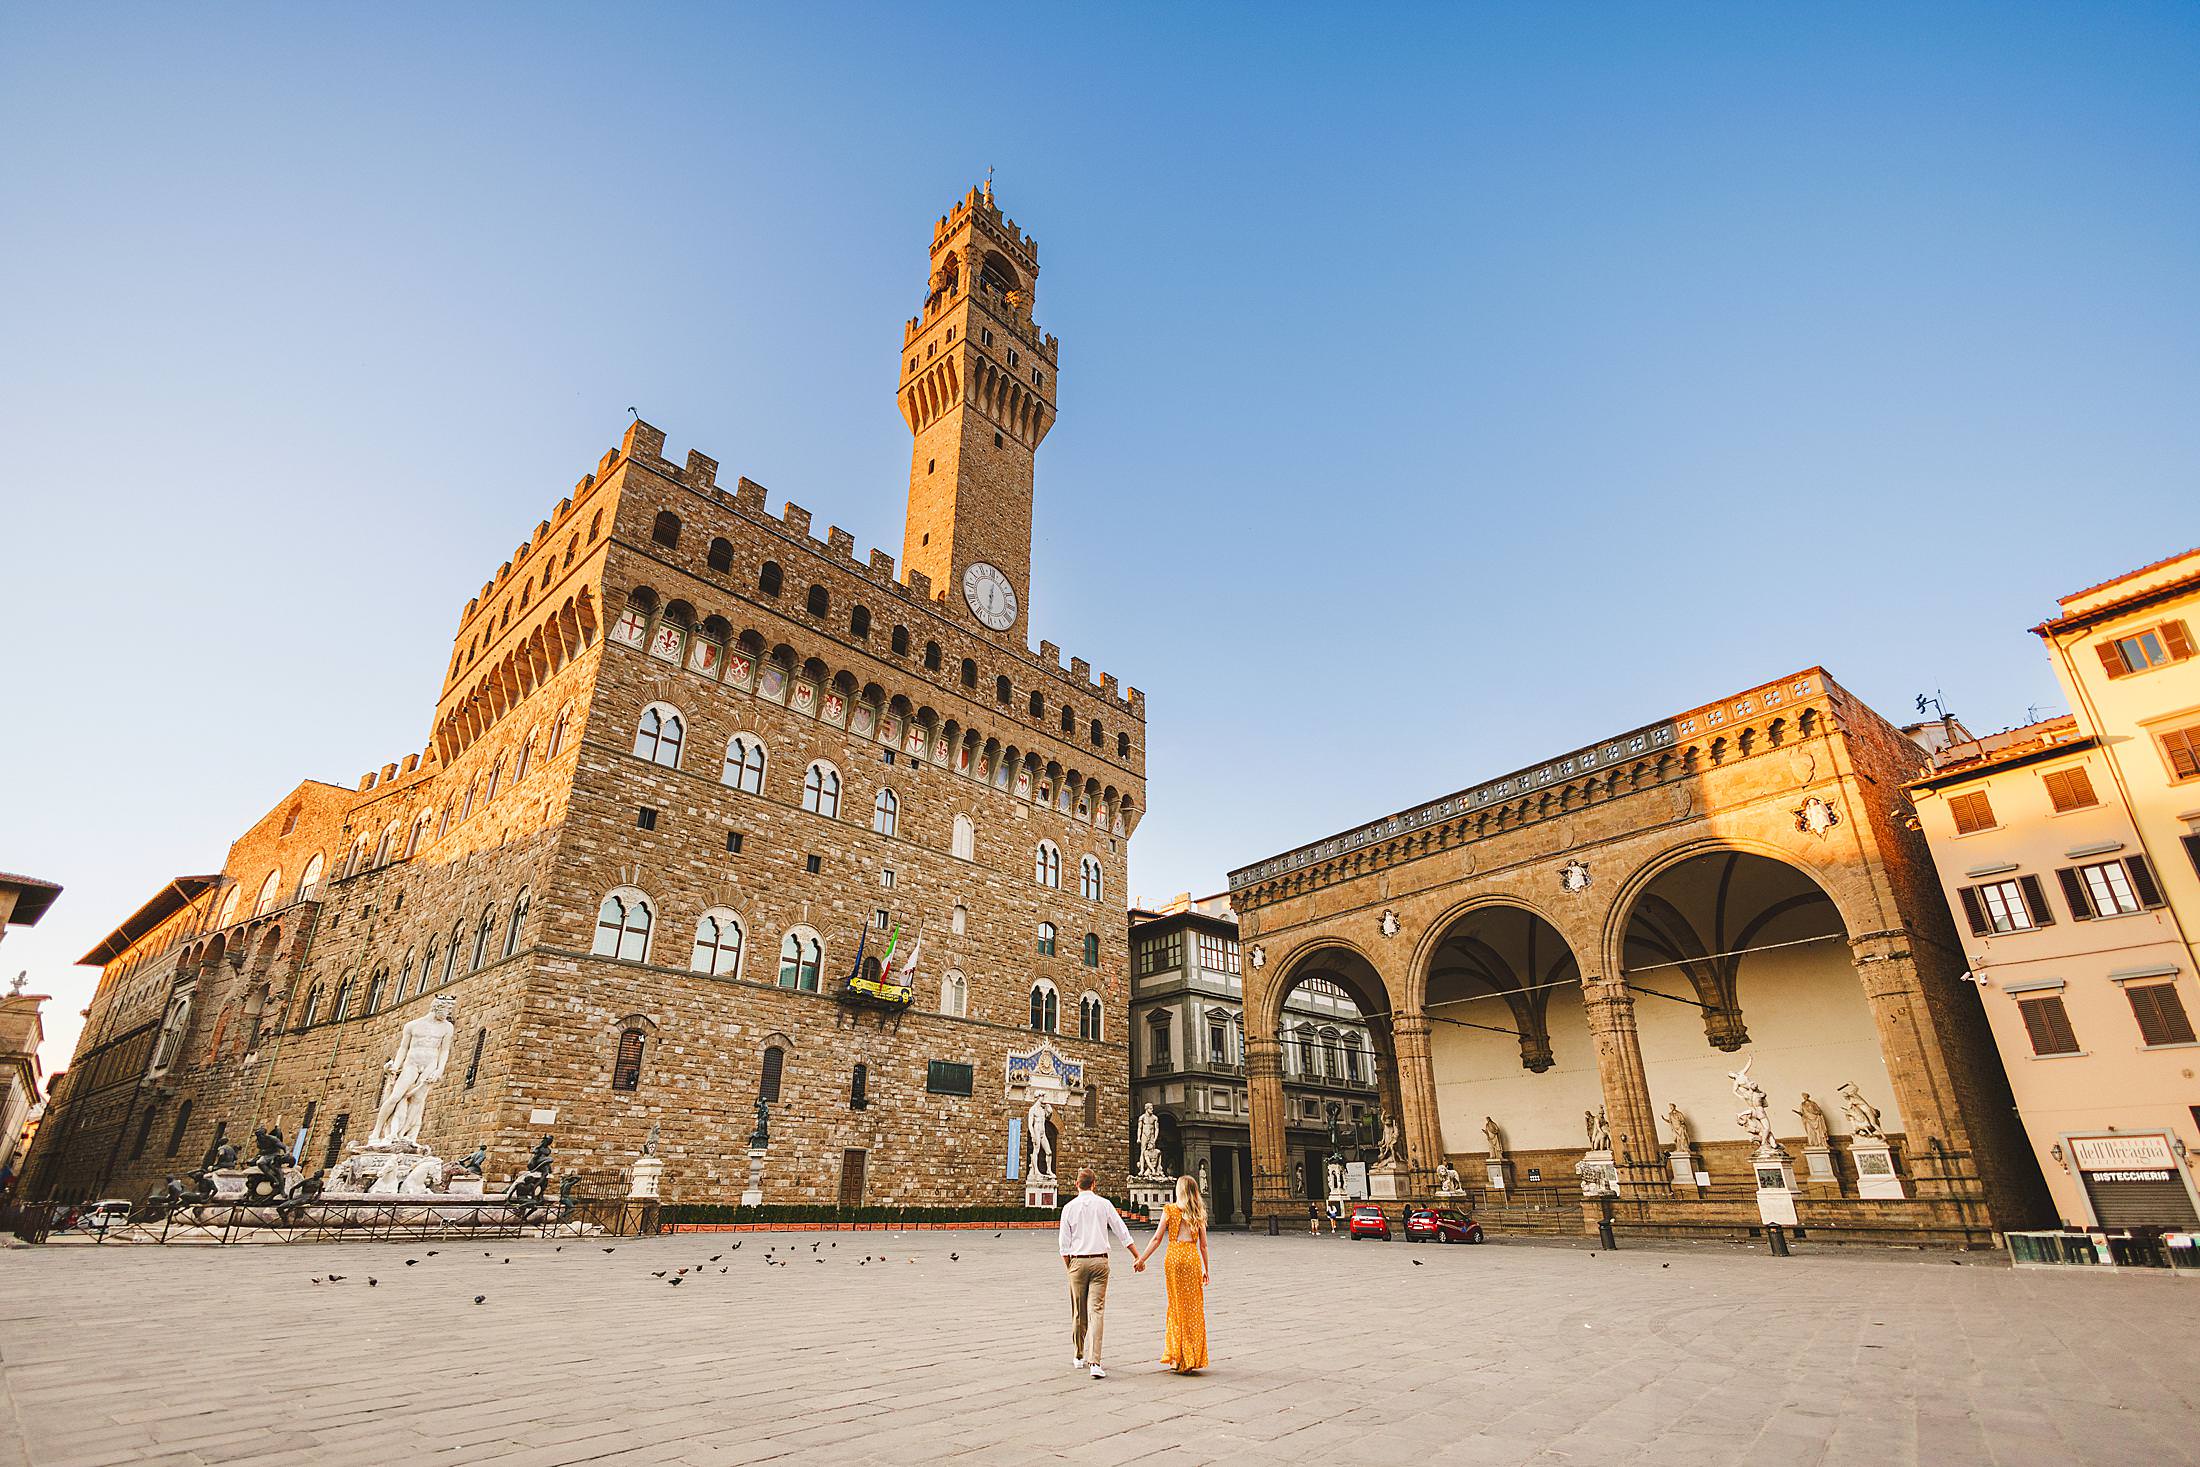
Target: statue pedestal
1499, 1171
1682, 1162
648, 1171
466, 1186
1775, 1188
229, 1184
753, 1194
1818, 1164
1386, 1183
1875, 1173
1598, 1173
1040, 1190
1152, 1194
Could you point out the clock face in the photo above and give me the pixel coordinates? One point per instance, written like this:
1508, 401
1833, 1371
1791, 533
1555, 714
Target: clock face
992, 599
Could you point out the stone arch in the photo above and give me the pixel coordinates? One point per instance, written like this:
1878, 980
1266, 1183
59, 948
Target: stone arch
1855, 917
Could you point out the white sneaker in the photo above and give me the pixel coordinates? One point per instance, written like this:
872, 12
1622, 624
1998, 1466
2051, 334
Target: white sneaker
1077, 1362
1098, 1373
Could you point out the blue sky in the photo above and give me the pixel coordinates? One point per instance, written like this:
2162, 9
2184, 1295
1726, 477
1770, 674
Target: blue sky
1440, 388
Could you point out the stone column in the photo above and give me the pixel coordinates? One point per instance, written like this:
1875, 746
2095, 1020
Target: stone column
1917, 1066
1271, 1147
1419, 1124
1610, 1009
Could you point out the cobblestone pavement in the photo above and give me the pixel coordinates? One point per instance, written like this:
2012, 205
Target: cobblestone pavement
1323, 1351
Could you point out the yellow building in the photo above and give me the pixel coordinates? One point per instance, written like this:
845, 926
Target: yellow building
2070, 850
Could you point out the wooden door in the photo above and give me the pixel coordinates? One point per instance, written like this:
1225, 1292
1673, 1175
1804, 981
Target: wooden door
851, 1178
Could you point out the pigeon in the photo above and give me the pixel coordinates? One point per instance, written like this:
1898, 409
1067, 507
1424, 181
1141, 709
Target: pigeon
721, 1270
410, 1262
433, 1251
485, 1253
559, 1249
660, 1273
1665, 1265
813, 1247
676, 1283
836, 1245
372, 1281
735, 1248
507, 1260
681, 1270
716, 1256
996, 1235
610, 1250
313, 1281
478, 1298
1416, 1263
954, 1258
337, 1278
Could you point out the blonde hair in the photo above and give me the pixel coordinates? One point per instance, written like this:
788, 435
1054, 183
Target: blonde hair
1189, 1202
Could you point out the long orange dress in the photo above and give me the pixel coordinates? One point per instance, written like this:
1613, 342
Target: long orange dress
1184, 1347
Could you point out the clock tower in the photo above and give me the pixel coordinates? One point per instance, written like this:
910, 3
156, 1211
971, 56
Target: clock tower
977, 390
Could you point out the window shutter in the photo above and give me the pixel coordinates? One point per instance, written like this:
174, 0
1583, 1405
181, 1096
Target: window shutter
2143, 884
2177, 640
2112, 661
774, 1061
2184, 757
2192, 851
2161, 1014
1974, 911
2073, 889
2035, 901
2047, 1025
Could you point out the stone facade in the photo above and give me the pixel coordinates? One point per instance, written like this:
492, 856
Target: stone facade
1616, 932
923, 772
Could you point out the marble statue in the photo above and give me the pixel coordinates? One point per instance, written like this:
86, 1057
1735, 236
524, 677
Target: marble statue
1599, 1129
1493, 1138
1862, 1115
423, 1050
1684, 1134
1333, 1176
649, 1142
1042, 1146
1388, 1149
1447, 1179
1753, 1118
1149, 1144
762, 1135
1815, 1127
1298, 1178
1203, 1183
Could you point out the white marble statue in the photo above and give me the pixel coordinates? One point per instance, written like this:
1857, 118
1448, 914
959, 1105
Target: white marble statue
1387, 1149
1042, 1148
1447, 1179
1816, 1128
1684, 1134
1149, 1144
1599, 1129
423, 1049
1333, 1175
1493, 1138
1753, 1118
1862, 1115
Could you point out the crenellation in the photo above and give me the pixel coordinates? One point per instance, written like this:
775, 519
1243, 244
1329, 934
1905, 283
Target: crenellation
1050, 654
882, 566
642, 441
749, 495
796, 518
920, 586
701, 472
1080, 671
840, 543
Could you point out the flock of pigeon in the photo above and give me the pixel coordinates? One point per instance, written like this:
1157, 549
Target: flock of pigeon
674, 1276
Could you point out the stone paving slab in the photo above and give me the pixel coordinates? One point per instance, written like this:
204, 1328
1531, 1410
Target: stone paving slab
953, 1347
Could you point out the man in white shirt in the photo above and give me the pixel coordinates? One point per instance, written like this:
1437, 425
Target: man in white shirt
1089, 1223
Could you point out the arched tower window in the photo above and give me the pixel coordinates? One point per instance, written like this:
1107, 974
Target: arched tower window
717, 944
801, 958
657, 736
622, 926
665, 530
1046, 1008
885, 812
821, 790
744, 768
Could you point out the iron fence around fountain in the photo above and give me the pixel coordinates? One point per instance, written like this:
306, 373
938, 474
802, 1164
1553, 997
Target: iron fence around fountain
352, 1220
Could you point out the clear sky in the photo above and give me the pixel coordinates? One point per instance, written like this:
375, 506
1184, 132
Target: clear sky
1440, 388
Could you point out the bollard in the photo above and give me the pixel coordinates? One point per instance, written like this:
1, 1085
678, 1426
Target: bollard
1271, 1225
1778, 1238
1604, 1234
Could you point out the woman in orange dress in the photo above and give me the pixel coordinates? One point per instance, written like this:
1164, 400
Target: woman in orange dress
1184, 1228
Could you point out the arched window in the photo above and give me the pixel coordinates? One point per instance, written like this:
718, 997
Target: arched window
1038, 704
1122, 746
821, 790
959, 919
1046, 1008
717, 944
657, 736
466, 807
450, 953
559, 729
1069, 719
622, 926
236, 893
744, 768
666, 530
1002, 692
1352, 1056
954, 994
270, 892
526, 757
427, 967
818, 602
496, 779
385, 845
1088, 1017
859, 1087
969, 673
885, 812
1306, 1050
1088, 878
1047, 865
900, 641
1092, 949
965, 840
1099, 740
932, 657
419, 836
595, 527
626, 1065
484, 930
513, 923
801, 956
775, 1069
310, 1008
444, 828
339, 1008
720, 557
378, 990
173, 1025
1332, 1055
175, 1134
1046, 939
768, 578
859, 623
310, 882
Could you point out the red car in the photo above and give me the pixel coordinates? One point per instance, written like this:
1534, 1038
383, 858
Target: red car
1441, 1224
1367, 1221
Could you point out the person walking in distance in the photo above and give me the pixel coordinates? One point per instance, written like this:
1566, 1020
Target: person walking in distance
1090, 1228
1184, 1229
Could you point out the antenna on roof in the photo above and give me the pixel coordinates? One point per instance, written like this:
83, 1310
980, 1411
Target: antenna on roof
1933, 702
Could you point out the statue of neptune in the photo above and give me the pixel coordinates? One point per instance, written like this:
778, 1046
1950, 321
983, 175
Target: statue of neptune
423, 1049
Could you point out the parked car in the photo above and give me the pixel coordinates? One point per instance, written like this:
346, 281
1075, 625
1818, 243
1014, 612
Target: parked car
1368, 1222
108, 1212
1443, 1224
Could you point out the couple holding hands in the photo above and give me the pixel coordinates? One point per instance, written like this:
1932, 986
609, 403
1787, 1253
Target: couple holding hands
1090, 1228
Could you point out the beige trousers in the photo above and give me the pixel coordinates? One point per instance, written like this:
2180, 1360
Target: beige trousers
1088, 1303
